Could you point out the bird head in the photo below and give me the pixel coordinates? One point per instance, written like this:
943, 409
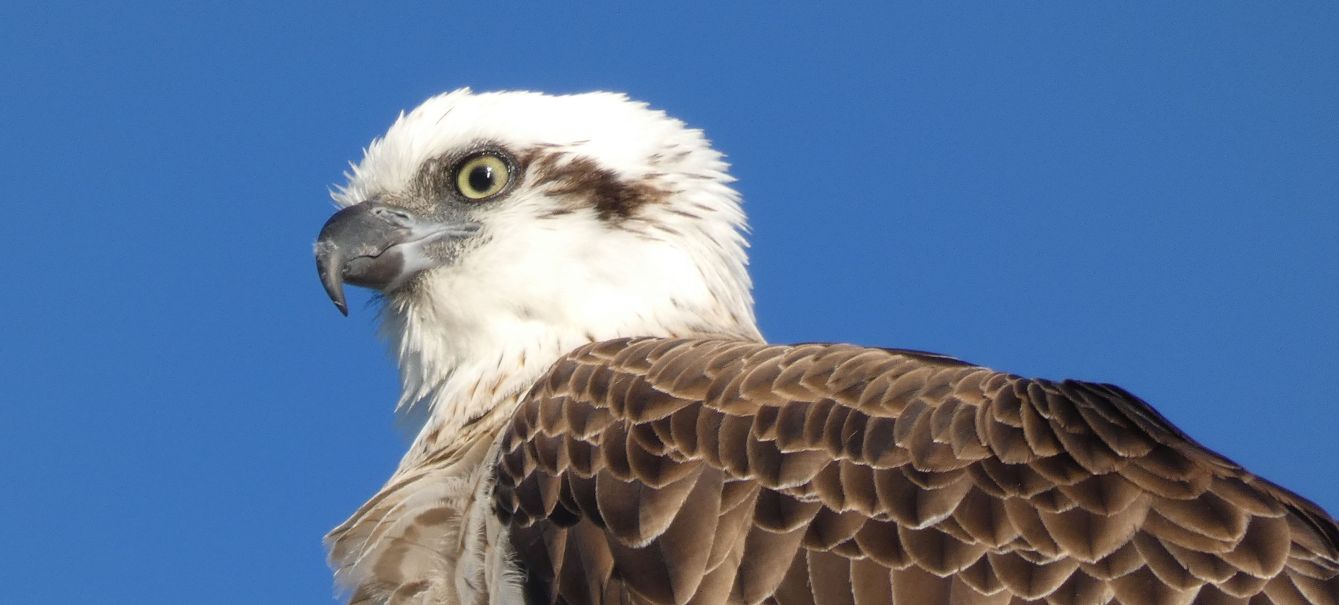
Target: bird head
510, 223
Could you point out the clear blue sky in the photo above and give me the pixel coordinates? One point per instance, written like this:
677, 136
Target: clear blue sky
1142, 196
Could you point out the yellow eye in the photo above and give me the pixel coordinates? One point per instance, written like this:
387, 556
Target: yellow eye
482, 176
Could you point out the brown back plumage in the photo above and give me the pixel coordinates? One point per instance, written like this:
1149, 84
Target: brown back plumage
713, 471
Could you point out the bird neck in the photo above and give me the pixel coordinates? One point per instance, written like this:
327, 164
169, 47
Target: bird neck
470, 369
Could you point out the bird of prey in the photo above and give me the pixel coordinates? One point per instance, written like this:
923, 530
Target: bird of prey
563, 284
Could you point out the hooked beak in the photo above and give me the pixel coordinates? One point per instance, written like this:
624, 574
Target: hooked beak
374, 245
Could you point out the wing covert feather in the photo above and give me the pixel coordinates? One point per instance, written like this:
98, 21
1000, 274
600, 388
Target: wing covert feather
674, 471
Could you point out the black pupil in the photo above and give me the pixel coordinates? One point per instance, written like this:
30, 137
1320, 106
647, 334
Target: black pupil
481, 178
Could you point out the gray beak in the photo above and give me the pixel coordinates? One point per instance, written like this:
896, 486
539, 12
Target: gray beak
373, 245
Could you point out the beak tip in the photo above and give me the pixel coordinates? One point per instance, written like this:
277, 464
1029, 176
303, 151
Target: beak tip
329, 271
336, 294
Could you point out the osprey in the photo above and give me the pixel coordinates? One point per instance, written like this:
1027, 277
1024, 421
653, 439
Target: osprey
564, 286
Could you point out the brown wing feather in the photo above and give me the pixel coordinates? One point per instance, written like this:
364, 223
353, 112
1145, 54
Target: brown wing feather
711, 471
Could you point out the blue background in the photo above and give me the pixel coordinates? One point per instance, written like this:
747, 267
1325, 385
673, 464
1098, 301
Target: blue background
1144, 196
